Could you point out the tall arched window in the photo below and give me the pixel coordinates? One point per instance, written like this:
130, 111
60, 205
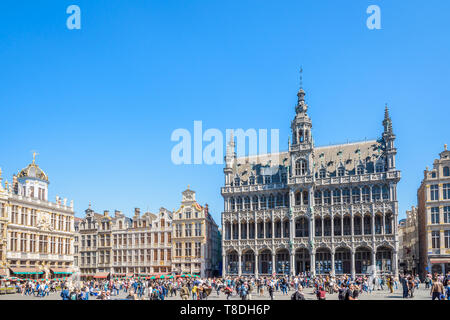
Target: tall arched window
298, 199
279, 200
233, 204
446, 172
271, 201
255, 205
300, 167
247, 203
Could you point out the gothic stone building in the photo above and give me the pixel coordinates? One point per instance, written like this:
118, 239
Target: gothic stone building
322, 210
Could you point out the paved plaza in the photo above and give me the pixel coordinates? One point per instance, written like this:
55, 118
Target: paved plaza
420, 294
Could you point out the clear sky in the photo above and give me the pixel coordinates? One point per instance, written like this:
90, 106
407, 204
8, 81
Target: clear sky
99, 104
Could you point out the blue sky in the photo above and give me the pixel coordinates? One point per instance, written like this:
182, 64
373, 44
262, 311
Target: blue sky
99, 104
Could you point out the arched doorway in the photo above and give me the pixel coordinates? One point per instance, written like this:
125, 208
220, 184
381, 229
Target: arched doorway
384, 259
363, 260
302, 261
248, 262
342, 261
265, 262
232, 261
323, 261
282, 262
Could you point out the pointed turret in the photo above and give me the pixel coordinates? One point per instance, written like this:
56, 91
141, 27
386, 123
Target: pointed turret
388, 140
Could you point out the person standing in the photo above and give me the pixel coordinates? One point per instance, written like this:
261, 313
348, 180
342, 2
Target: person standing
437, 289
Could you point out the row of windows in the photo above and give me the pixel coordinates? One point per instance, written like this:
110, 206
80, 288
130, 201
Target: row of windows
38, 243
435, 215
445, 171
124, 239
301, 169
436, 239
188, 249
323, 227
434, 192
188, 230
321, 197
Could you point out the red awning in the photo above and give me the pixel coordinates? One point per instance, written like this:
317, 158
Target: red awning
440, 260
101, 275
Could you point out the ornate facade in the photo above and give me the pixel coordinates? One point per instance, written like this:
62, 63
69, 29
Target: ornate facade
195, 239
120, 245
36, 234
434, 216
322, 210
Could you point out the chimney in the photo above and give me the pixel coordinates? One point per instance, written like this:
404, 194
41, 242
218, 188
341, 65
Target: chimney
206, 208
137, 212
106, 213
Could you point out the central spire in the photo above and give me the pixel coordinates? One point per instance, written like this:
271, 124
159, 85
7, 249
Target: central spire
301, 92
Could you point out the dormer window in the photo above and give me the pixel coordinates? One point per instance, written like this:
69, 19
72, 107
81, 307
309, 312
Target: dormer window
237, 182
252, 180
379, 167
446, 172
322, 173
267, 179
433, 174
341, 172
360, 170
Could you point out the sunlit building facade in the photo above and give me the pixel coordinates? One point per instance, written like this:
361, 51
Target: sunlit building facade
323, 210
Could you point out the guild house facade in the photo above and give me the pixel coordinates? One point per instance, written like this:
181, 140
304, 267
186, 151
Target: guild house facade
36, 234
434, 216
323, 210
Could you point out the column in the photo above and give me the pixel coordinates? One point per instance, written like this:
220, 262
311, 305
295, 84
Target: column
273, 228
248, 228
353, 269
374, 263
231, 229
342, 225
240, 264
332, 263
395, 263
239, 227
256, 265
383, 232
443, 268
313, 262
292, 263
264, 227
282, 228
274, 269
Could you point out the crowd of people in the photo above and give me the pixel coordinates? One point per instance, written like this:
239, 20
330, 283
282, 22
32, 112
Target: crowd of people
245, 288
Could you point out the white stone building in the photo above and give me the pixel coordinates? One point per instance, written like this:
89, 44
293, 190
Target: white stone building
321, 210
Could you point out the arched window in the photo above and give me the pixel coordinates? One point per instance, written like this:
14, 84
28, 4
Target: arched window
279, 200
355, 195
298, 199
247, 203
305, 197
233, 204
346, 195
318, 197
376, 193
327, 197
300, 167
301, 227
239, 203
237, 181
255, 205
336, 196
271, 201
252, 180
366, 194
263, 202
385, 192
446, 172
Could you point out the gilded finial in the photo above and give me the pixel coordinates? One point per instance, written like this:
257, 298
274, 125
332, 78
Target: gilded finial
445, 149
34, 156
188, 186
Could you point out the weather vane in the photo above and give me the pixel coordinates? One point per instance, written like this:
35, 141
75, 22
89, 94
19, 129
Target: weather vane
34, 156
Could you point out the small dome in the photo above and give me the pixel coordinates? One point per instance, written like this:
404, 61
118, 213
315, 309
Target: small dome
33, 171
